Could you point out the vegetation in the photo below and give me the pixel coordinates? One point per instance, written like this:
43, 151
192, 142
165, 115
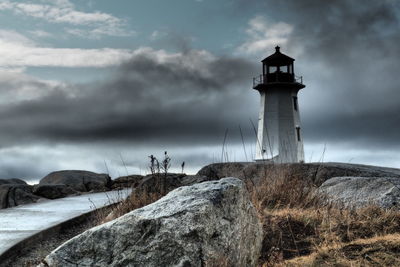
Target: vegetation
143, 195
301, 230
136, 200
376, 251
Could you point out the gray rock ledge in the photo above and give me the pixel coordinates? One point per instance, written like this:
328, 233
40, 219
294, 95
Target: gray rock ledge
356, 192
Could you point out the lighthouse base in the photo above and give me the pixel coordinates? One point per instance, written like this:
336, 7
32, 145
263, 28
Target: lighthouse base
277, 160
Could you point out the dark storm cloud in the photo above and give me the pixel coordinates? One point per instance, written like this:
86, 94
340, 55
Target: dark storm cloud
23, 167
372, 130
190, 97
350, 63
357, 42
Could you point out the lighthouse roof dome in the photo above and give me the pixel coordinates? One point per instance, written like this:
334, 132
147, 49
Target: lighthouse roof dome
278, 58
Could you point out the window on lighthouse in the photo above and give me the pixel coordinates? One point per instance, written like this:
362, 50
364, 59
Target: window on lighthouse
295, 104
298, 133
284, 69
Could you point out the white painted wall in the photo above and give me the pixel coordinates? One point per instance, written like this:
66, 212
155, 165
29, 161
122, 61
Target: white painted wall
277, 136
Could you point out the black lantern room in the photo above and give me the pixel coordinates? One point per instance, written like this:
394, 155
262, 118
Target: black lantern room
277, 68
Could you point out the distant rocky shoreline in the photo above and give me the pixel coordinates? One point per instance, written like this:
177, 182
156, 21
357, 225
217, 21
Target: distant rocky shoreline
59, 184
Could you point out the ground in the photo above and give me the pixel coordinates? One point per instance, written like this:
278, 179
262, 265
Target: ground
299, 228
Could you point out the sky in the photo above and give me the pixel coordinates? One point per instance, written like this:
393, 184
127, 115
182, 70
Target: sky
101, 85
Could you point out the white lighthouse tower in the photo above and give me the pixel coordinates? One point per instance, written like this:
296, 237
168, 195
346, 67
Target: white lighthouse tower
279, 136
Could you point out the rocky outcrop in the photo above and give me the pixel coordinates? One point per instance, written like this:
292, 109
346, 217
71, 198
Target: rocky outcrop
82, 181
169, 182
12, 181
53, 191
362, 191
127, 181
191, 226
12, 195
317, 173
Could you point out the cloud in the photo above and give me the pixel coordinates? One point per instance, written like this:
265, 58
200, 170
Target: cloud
24, 162
185, 98
96, 33
20, 51
263, 36
15, 38
97, 24
155, 35
181, 102
15, 86
40, 33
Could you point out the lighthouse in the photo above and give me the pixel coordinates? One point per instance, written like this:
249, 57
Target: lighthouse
279, 136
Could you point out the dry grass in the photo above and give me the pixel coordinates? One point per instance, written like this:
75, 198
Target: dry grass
282, 188
218, 260
376, 251
299, 226
294, 232
137, 199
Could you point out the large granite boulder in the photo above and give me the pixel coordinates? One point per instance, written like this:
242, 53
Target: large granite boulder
194, 225
127, 181
362, 191
316, 173
82, 181
53, 191
12, 195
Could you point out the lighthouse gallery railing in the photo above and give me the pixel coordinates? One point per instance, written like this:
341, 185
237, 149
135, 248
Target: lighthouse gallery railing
276, 77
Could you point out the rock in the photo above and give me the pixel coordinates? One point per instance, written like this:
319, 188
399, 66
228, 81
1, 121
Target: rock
171, 181
127, 181
219, 170
191, 179
317, 173
12, 195
191, 226
82, 181
12, 181
362, 191
53, 191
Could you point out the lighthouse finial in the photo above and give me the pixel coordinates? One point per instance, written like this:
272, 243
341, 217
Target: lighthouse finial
277, 48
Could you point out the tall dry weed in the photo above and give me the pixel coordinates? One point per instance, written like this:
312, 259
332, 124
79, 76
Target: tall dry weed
282, 188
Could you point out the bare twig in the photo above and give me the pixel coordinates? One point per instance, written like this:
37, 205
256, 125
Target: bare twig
123, 162
244, 146
223, 145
